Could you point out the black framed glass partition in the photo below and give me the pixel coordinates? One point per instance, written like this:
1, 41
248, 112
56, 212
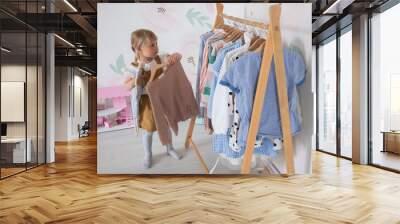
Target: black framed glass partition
334, 94
22, 77
14, 153
32, 97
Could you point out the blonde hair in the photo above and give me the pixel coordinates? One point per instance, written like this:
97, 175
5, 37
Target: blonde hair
138, 37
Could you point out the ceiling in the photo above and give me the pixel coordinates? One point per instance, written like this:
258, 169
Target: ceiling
76, 22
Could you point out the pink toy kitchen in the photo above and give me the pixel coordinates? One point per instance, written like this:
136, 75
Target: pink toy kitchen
113, 109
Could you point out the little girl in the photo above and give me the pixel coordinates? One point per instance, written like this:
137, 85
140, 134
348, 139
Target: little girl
144, 45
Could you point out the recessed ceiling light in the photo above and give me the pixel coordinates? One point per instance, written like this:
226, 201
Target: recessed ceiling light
64, 40
70, 5
329, 9
84, 71
5, 50
338, 6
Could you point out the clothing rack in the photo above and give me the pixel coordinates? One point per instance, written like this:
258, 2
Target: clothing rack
273, 47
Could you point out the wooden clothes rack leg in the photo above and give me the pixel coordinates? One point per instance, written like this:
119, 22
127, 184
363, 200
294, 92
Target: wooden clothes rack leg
282, 89
189, 142
272, 48
258, 104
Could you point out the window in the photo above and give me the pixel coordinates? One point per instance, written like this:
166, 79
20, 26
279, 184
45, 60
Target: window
394, 102
335, 74
385, 90
327, 97
346, 94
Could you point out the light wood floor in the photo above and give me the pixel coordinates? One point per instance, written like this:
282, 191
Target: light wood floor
10, 171
388, 159
70, 191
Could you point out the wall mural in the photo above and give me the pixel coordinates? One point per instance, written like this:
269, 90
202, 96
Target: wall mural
123, 148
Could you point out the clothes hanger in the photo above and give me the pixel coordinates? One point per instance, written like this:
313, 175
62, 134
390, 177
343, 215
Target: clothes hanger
227, 28
255, 37
236, 33
260, 48
154, 69
233, 32
230, 32
256, 41
238, 36
256, 44
230, 35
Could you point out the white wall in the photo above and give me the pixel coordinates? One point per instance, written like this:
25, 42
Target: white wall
68, 82
12, 73
80, 84
61, 103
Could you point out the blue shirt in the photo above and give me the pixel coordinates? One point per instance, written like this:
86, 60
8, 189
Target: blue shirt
219, 59
216, 66
242, 76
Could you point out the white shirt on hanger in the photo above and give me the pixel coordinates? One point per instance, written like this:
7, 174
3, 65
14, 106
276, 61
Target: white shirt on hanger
221, 116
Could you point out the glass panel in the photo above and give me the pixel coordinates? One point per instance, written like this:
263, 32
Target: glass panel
41, 98
385, 84
13, 80
327, 97
346, 94
23, 86
31, 101
31, 87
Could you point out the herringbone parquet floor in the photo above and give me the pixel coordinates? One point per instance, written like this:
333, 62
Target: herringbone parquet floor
70, 191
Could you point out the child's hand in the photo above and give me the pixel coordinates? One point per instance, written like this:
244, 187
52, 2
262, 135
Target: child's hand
141, 65
129, 82
173, 58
